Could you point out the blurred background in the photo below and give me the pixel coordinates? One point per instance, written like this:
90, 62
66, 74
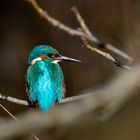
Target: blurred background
21, 28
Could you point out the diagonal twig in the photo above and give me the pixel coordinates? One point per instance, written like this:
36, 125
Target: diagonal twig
94, 39
104, 54
54, 21
12, 116
83, 24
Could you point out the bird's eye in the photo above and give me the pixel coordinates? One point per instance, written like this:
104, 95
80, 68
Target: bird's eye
53, 55
56, 55
50, 54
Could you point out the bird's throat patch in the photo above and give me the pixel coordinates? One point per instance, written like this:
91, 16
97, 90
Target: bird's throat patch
38, 59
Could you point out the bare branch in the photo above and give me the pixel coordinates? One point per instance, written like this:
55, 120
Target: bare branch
14, 100
83, 24
118, 51
84, 33
94, 39
25, 103
54, 21
10, 114
104, 54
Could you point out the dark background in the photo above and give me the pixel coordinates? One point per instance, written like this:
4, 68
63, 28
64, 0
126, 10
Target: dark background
21, 28
113, 21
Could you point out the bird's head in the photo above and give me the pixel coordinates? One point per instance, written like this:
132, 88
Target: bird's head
43, 52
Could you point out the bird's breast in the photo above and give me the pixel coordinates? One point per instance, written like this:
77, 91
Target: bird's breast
45, 84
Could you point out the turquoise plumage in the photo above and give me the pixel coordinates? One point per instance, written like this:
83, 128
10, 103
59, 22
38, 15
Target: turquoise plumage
44, 77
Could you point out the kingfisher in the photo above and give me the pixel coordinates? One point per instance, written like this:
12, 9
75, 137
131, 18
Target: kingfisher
45, 84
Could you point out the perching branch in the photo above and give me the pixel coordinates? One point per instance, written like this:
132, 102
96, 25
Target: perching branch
14, 100
104, 54
25, 103
85, 32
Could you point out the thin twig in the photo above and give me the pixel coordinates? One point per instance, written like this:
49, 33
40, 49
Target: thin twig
104, 54
83, 24
84, 33
54, 21
6, 110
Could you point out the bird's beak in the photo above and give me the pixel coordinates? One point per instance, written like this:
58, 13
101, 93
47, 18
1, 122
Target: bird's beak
60, 58
69, 59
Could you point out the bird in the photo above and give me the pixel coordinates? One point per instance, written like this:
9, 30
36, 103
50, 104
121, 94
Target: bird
45, 84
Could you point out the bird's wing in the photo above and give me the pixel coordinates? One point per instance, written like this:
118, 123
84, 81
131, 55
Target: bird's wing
34, 104
64, 88
26, 87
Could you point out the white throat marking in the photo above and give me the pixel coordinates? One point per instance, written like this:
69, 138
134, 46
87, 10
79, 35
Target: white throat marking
36, 60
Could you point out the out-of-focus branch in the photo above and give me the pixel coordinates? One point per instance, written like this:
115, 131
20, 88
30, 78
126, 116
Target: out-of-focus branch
85, 32
110, 98
104, 54
12, 116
